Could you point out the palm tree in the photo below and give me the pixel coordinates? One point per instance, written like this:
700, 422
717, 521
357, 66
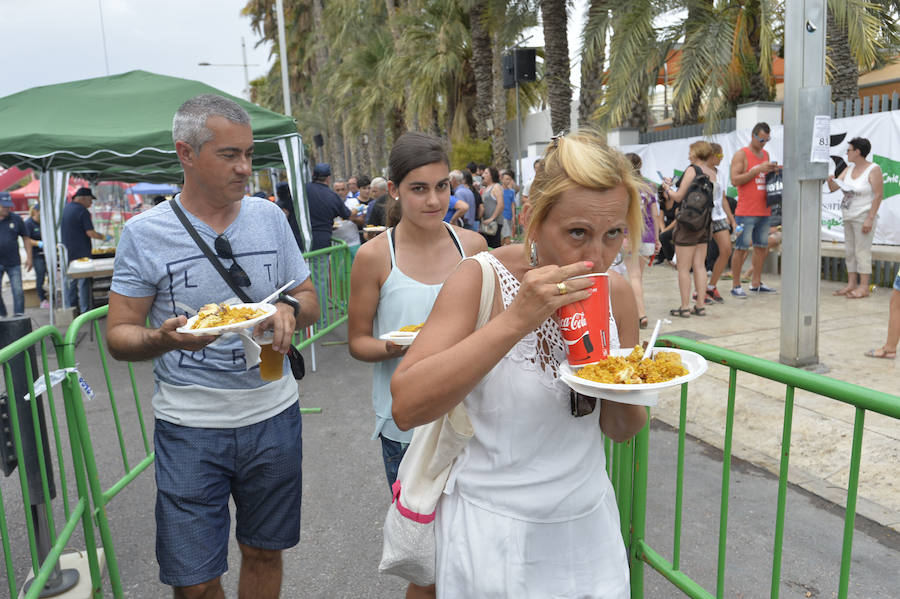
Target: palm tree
482, 63
593, 58
434, 53
637, 51
556, 59
859, 34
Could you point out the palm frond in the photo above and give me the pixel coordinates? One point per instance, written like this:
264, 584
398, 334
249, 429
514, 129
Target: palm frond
632, 49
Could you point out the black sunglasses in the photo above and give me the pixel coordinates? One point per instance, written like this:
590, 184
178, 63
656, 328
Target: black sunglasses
223, 249
581, 405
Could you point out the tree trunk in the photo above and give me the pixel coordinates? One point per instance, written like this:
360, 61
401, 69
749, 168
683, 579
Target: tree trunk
498, 136
380, 143
759, 88
556, 63
640, 114
482, 62
844, 72
592, 74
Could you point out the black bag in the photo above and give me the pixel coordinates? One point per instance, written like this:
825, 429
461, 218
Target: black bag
295, 358
774, 187
695, 212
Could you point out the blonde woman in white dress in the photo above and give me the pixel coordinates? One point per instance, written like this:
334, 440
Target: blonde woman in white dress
529, 511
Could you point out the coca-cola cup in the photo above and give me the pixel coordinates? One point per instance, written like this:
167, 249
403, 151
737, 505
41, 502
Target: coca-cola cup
585, 324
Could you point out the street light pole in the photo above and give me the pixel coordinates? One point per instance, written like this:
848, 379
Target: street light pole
246, 75
282, 52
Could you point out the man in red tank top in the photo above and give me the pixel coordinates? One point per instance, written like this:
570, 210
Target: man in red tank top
748, 173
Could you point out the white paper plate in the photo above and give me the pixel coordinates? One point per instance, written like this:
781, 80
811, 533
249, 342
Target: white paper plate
374, 229
399, 337
645, 394
244, 324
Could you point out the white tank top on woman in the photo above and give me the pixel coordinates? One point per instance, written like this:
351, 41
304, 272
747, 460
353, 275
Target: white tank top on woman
862, 196
530, 459
402, 301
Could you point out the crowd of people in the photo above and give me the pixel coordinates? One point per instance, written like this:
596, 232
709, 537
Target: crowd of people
542, 512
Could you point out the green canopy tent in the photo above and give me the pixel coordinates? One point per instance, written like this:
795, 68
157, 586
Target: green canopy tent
120, 128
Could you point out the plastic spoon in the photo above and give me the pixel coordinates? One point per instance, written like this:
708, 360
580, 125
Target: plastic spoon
275, 294
652, 342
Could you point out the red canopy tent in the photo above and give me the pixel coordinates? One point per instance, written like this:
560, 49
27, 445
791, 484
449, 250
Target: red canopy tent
10, 176
32, 191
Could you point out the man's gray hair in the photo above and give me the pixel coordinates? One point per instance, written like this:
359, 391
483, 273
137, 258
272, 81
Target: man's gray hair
379, 184
456, 177
189, 124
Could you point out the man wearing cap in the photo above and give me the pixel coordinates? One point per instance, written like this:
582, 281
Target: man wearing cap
76, 232
324, 206
11, 228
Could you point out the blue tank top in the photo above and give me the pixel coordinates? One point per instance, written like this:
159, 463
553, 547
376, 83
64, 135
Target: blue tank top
402, 301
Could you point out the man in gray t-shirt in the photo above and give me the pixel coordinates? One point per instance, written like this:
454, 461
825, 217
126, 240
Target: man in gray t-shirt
221, 432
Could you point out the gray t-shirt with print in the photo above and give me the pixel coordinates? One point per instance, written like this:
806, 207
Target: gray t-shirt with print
156, 257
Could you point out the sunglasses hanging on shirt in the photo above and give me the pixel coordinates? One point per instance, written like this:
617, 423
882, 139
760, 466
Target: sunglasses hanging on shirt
223, 249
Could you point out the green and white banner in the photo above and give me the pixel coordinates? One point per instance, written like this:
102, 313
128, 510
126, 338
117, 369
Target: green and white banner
881, 129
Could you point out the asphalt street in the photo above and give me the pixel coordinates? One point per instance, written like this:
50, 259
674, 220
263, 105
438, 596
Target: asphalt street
346, 496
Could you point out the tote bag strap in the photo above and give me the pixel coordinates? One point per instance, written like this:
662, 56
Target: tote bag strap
488, 286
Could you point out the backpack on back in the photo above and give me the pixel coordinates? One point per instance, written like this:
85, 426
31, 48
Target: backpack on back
695, 212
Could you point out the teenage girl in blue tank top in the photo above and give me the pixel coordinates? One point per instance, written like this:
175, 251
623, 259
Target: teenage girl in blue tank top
397, 275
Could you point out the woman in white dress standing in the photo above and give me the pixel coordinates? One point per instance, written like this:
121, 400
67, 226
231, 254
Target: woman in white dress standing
529, 510
863, 186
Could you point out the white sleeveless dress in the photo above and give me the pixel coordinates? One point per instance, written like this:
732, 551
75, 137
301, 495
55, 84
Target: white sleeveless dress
529, 511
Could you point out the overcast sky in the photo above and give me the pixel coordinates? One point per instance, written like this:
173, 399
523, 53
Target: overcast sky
52, 41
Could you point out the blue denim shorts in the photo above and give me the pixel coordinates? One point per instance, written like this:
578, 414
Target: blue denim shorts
198, 469
756, 231
392, 452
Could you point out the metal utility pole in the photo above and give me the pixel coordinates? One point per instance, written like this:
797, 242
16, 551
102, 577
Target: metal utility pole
805, 97
282, 54
246, 73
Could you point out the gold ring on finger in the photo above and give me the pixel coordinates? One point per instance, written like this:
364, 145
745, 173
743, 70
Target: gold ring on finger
563, 289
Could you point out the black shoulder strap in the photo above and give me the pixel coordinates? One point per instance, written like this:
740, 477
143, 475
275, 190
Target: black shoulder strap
698, 171
208, 252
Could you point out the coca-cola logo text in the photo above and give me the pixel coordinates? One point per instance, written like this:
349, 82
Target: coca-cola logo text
575, 322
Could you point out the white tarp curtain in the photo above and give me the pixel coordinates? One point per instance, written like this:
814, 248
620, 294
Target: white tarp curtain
295, 163
881, 129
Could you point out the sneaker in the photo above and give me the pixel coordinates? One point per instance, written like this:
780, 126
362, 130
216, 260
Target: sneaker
707, 300
713, 294
45, 304
762, 289
739, 292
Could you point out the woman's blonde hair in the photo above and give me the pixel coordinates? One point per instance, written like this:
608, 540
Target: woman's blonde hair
701, 150
582, 159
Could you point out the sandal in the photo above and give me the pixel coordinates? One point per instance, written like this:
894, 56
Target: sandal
881, 353
856, 294
843, 291
681, 312
643, 322
698, 311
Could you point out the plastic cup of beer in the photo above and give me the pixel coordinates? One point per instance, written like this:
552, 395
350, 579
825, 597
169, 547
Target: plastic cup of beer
585, 324
271, 362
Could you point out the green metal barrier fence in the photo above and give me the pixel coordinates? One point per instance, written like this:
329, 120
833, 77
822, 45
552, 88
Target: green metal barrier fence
75, 510
329, 267
629, 472
132, 436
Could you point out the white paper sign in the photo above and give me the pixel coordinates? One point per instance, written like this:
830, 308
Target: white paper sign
821, 139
